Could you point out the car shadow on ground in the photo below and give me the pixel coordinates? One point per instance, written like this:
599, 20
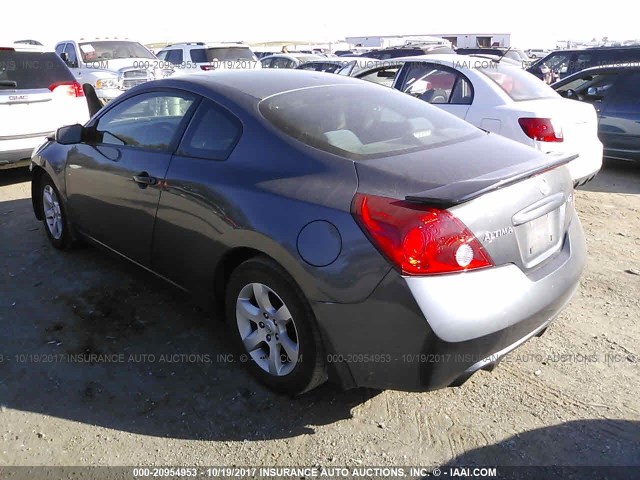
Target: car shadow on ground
14, 175
583, 444
616, 177
90, 338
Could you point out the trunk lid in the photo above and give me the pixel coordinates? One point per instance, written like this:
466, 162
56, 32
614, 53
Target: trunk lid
515, 200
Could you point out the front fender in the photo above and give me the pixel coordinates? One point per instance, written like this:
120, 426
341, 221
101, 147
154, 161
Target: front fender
50, 159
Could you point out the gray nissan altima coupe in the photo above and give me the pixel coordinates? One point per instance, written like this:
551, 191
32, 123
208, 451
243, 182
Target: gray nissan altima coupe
344, 230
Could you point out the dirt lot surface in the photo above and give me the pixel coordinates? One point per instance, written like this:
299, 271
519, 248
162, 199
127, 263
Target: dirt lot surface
165, 397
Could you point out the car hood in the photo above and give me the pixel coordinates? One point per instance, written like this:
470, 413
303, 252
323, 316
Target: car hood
122, 64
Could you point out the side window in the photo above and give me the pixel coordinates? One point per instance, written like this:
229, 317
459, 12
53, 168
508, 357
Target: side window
382, 76
174, 56
212, 133
198, 55
60, 49
626, 97
281, 62
149, 120
600, 84
162, 55
462, 93
310, 66
72, 58
430, 82
583, 60
266, 62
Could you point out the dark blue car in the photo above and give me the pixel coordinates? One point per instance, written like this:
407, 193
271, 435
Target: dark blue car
343, 229
614, 91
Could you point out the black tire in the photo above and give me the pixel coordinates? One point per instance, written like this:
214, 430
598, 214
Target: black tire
65, 239
309, 370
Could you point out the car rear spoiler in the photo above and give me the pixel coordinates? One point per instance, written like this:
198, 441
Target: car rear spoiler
460, 192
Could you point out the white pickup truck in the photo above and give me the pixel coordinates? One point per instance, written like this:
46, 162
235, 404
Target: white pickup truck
110, 65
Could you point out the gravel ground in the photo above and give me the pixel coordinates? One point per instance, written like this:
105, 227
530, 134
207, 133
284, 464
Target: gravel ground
162, 394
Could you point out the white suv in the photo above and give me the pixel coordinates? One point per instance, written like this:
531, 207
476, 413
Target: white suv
196, 57
38, 94
110, 65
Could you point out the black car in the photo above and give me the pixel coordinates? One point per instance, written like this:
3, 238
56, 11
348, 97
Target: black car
562, 63
614, 91
515, 54
407, 51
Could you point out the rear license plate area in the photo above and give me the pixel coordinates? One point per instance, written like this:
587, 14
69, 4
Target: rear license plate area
540, 238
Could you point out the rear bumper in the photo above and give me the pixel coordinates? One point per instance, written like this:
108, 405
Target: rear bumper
588, 163
16, 157
417, 334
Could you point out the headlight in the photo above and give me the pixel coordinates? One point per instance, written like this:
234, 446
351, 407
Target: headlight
105, 83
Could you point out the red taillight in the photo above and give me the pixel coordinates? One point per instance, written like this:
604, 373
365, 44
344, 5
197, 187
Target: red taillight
71, 89
417, 239
541, 129
7, 49
206, 68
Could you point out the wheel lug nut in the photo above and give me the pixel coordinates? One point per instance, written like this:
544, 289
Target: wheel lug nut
268, 338
277, 337
266, 315
261, 325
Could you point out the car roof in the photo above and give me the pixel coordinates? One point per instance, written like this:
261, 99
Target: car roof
295, 56
445, 58
96, 39
451, 60
23, 47
592, 49
238, 85
611, 67
207, 44
344, 60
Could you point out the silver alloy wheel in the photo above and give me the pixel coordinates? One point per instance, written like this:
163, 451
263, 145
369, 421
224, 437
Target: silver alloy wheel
267, 329
52, 212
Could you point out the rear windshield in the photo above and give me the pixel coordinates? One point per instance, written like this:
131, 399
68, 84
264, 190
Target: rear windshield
517, 83
363, 121
32, 70
222, 54
112, 49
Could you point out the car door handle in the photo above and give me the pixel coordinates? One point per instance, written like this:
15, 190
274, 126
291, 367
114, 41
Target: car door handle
144, 180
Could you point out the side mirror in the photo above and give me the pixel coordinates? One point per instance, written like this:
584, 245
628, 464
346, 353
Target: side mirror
65, 57
595, 94
70, 135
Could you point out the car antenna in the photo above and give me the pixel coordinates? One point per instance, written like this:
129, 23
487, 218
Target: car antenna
502, 56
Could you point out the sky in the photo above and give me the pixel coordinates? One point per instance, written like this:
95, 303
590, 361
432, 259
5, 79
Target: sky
317, 21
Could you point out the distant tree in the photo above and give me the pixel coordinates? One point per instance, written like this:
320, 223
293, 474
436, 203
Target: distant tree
605, 39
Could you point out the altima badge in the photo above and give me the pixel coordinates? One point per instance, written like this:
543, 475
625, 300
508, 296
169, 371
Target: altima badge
491, 236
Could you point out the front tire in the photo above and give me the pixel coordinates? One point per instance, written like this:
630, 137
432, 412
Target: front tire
273, 327
54, 215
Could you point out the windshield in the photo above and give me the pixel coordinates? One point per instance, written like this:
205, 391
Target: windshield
112, 50
222, 54
601, 81
517, 83
363, 121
